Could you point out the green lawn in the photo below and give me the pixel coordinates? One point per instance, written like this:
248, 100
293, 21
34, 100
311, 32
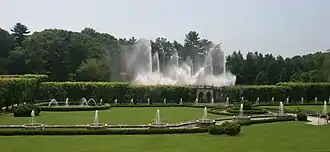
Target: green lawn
315, 108
274, 137
114, 116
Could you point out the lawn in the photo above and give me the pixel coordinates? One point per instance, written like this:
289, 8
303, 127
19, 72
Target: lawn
113, 116
315, 108
274, 137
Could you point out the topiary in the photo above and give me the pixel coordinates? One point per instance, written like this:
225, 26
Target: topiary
232, 128
25, 110
247, 105
301, 116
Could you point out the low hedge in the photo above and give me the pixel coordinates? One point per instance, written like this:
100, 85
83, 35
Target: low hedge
229, 128
301, 116
252, 111
279, 119
75, 108
25, 110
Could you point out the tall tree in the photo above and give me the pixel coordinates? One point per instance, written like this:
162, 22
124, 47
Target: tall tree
20, 31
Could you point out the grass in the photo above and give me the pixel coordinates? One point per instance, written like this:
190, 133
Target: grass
274, 137
113, 116
315, 108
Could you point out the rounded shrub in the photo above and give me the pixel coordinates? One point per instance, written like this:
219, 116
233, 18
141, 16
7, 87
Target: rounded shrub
25, 110
247, 105
232, 128
216, 130
301, 116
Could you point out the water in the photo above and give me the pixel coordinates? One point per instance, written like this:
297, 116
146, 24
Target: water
315, 99
181, 101
148, 100
32, 117
196, 101
227, 102
212, 101
84, 101
241, 110
91, 100
273, 99
205, 113
329, 100
101, 101
140, 61
96, 118
53, 101
242, 98
132, 101
157, 122
67, 102
116, 101
257, 101
164, 101
281, 109
324, 111
302, 100
287, 100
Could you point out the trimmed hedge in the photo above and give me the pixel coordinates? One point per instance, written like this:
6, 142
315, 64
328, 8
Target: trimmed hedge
17, 90
124, 92
252, 92
25, 110
229, 128
41, 78
279, 119
301, 116
308, 90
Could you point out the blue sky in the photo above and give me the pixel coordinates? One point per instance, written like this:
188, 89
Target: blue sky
281, 27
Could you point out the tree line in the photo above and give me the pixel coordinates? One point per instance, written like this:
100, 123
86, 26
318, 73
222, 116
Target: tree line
89, 55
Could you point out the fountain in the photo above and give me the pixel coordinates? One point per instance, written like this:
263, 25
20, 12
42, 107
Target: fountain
132, 101
273, 99
148, 101
287, 100
84, 102
181, 101
196, 101
205, 122
145, 66
91, 99
281, 111
96, 125
257, 101
302, 100
242, 98
241, 116
315, 99
116, 101
67, 102
212, 101
33, 124
53, 101
324, 111
158, 124
101, 101
227, 102
164, 101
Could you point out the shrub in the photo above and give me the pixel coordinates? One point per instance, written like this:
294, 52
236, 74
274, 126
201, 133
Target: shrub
246, 105
216, 130
301, 116
25, 110
260, 121
231, 128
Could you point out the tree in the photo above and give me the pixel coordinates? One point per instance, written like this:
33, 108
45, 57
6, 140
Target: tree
6, 42
92, 70
20, 31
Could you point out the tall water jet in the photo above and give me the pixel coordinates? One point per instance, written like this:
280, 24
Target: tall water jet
32, 121
302, 100
212, 101
101, 101
67, 102
281, 109
164, 101
315, 99
196, 101
205, 113
116, 101
53, 101
242, 98
157, 121
148, 101
241, 116
181, 101
158, 124
273, 99
139, 65
241, 110
227, 102
132, 101
205, 121
324, 111
96, 118
287, 100
257, 101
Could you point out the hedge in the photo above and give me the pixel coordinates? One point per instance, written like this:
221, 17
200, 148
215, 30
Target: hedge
308, 90
252, 92
41, 78
17, 90
123, 92
75, 108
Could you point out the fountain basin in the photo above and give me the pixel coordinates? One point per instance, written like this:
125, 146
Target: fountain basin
205, 123
159, 126
99, 126
33, 126
241, 118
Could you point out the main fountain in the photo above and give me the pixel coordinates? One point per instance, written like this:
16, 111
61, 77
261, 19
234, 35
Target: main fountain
146, 70
158, 124
205, 122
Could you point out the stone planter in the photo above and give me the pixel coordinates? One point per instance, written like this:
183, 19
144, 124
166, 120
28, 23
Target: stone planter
100, 126
33, 126
159, 126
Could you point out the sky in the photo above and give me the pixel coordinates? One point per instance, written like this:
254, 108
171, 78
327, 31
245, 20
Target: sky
280, 27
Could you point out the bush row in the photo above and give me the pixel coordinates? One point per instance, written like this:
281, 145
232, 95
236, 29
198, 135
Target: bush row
308, 90
279, 119
25, 110
76, 108
229, 128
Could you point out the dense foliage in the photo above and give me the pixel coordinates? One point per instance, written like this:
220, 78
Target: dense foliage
92, 56
25, 110
229, 128
302, 116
